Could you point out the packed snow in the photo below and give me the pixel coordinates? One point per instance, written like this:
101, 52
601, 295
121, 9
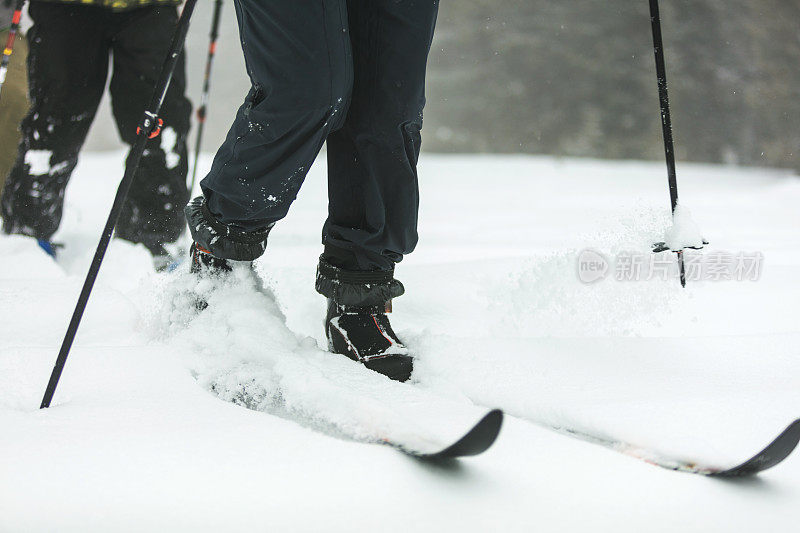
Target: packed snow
38, 161
684, 232
533, 289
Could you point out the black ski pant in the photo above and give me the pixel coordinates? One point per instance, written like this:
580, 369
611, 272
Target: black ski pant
351, 72
68, 65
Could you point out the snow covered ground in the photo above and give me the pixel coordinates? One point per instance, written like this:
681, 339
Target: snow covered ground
496, 309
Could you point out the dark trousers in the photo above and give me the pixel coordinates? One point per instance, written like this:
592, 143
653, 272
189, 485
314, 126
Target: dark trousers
351, 72
68, 65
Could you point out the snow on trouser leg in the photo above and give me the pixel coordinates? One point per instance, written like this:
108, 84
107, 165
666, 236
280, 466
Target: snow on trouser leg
357, 324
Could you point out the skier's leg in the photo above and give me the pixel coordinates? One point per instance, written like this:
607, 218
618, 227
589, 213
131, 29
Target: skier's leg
67, 68
153, 212
372, 159
298, 59
372, 181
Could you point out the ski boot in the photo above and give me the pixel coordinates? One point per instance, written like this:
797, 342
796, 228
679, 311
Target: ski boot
364, 334
220, 251
204, 262
50, 248
356, 324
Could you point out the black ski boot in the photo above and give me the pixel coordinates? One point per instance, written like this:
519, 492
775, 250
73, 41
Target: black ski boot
364, 334
356, 324
204, 262
219, 250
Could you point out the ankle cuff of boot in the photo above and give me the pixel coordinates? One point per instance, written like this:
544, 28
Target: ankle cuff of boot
357, 288
221, 240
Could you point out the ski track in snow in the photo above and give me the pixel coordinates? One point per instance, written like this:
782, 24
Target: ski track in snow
498, 318
240, 349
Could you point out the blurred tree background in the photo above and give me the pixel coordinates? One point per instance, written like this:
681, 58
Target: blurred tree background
578, 79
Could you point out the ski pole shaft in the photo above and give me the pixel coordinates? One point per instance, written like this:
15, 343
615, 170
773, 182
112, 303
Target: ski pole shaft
9, 49
663, 99
201, 111
666, 122
148, 128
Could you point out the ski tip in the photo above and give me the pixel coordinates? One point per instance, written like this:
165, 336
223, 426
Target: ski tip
476, 441
494, 418
775, 452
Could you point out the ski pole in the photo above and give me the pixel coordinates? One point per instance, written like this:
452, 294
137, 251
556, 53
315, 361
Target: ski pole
666, 123
201, 111
9, 49
149, 127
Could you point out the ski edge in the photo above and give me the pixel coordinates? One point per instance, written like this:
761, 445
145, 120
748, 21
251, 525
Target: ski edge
780, 448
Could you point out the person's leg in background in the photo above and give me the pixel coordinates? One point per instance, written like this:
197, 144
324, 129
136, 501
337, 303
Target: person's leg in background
67, 69
153, 211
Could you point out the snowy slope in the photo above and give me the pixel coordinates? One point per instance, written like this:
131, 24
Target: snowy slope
138, 437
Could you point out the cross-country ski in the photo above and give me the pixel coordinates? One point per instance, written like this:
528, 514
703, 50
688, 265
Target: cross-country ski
773, 454
394, 265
